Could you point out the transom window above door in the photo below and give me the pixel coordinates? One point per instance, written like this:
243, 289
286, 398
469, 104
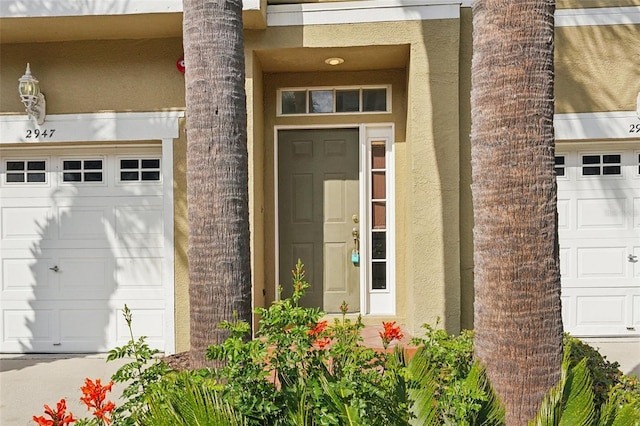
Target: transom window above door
334, 100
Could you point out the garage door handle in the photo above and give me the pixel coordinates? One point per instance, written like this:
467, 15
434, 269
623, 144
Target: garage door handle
55, 268
632, 258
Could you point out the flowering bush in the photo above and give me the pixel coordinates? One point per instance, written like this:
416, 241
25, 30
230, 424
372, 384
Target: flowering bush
58, 417
95, 398
390, 333
301, 370
94, 395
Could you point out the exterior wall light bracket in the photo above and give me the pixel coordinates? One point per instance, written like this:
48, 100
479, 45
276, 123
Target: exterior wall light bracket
30, 95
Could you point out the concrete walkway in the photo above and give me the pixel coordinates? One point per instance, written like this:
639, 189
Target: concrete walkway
27, 382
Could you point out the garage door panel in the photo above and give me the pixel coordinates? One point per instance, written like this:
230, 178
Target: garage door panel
80, 324
27, 223
602, 262
23, 274
605, 213
83, 223
566, 263
85, 277
564, 210
601, 310
140, 272
146, 322
137, 226
28, 326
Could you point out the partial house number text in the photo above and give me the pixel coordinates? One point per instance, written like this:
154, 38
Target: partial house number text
634, 128
46, 133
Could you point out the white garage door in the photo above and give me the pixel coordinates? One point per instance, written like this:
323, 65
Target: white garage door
81, 235
599, 228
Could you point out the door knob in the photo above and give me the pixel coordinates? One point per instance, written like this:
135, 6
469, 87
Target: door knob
632, 258
55, 268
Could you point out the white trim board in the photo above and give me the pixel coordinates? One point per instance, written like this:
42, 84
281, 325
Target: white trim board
56, 8
104, 126
361, 11
597, 125
627, 15
597, 16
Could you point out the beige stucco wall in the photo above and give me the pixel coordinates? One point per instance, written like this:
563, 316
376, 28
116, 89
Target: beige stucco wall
427, 150
597, 68
181, 237
91, 76
466, 205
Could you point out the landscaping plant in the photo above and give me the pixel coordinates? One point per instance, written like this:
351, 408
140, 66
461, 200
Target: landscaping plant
304, 371
143, 369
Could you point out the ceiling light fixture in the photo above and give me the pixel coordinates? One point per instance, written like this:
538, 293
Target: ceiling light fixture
334, 61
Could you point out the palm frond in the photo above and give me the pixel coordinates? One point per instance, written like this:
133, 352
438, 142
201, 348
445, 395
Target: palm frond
184, 401
422, 394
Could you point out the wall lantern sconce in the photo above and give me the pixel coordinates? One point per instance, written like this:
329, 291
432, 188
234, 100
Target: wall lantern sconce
31, 97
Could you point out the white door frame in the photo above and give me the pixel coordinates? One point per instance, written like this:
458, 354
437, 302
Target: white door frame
371, 303
109, 128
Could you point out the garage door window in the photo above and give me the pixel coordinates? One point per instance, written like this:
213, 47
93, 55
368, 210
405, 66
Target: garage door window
25, 171
560, 165
139, 169
82, 170
601, 164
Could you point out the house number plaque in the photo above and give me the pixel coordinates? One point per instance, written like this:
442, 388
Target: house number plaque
37, 133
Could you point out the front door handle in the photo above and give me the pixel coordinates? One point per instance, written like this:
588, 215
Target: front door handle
55, 268
632, 258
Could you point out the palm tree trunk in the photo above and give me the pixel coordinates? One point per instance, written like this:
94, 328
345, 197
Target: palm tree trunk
217, 170
518, 319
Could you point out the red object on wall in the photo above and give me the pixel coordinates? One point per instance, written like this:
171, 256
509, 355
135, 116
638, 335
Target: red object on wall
180, 65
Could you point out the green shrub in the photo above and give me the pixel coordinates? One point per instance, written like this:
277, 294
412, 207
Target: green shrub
604, 374
143, 370
187, 398
303, 371
462, 395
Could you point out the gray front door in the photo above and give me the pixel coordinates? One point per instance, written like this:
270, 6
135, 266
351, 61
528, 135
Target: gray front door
318, 205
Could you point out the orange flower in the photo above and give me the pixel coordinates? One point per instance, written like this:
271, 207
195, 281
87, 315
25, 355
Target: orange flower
58, 416
318, 329
391, 332
320, 341
94, 396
